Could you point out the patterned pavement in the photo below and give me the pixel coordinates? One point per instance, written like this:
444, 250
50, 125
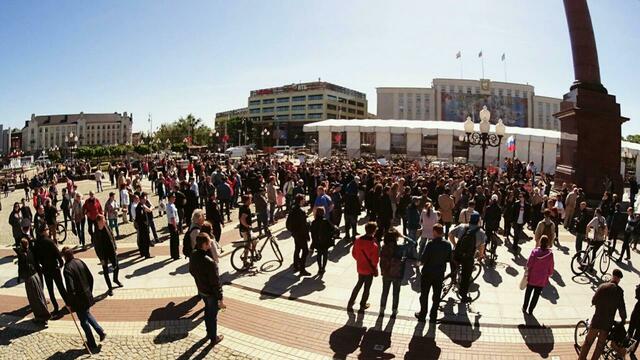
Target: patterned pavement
274, 314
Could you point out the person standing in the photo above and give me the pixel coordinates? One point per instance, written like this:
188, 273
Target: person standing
98, 177
428, 218
352, 210
365, 252
445, 206
570, 207
214, 216
521, 213
172, 224
434, 259
51, 218
111, 210
124, 204
630, 232
262, 212
413, 217
80, 287
581, 220
50, 260
608, 299
545, 227
539, 269
151, 222
91, 209
78, 218
28, 271
105, 247
142, 221
471, 240
224, 198
392, 269
15, 220
299, 228
205, 273
633, 190
321, 237
271, 198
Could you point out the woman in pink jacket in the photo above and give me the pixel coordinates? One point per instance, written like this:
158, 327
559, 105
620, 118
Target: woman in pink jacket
539, 269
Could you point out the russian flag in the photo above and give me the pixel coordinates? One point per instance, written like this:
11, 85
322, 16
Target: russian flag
511, 143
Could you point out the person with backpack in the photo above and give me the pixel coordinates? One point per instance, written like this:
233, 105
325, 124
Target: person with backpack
392, 262
471, 239
322, 231
299, 229
599, 226
545, 227
434, 259
365, 252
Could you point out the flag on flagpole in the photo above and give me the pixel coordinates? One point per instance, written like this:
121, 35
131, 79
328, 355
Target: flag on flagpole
503, 57
458, 55
480, 53
511, 143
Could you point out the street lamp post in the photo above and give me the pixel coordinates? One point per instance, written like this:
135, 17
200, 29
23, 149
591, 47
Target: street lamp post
72, 142
264, 133
483, 138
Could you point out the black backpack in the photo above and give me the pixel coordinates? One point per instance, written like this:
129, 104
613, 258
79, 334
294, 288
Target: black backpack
186, 242
466, 247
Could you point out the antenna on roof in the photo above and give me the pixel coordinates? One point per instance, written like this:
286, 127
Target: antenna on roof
319, 79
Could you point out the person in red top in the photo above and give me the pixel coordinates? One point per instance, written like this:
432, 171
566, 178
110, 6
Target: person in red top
91, 209
365, 251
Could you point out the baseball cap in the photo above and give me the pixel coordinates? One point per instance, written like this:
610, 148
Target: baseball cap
617, 273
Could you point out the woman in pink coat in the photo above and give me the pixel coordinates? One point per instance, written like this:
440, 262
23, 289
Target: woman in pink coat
539, 269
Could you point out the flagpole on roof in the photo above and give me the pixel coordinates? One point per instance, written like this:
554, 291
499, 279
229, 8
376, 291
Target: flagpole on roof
504, 63
482, 62
459, 58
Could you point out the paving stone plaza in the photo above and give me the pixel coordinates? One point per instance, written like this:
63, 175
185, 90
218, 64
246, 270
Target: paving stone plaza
272, 313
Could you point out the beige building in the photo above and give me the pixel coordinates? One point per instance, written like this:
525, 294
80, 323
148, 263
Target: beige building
455, 99
289, 107
46, 131
406, 103
221, 117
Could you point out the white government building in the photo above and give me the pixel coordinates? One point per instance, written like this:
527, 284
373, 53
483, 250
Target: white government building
441, 140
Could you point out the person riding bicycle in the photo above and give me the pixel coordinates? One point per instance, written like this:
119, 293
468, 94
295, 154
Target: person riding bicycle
471, 239
600, 230
608, 299
245, 218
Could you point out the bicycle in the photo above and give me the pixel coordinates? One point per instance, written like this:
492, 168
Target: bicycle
584, 259
492, 250
61, 232
451, 280
243, 258
608, 352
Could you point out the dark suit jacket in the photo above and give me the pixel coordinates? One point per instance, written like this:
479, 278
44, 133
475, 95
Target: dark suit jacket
79, 283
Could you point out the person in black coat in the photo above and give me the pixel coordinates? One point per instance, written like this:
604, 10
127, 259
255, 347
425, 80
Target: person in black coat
492, 218
50, 260
321, 238
105, 246
28, 271
299, 228
80, 296
521, 211
214, 216
352, 210
616, 226
142, 221
385, 213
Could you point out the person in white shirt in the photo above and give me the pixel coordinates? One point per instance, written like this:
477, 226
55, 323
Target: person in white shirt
133, 207
98, 177
172, 222
124, 205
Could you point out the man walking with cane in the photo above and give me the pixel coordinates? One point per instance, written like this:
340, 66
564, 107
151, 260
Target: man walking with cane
80, 296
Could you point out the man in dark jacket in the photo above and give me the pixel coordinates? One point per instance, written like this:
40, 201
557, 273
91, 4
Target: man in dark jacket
144, 237
352, 210
608, 299
581, 220
299, 228
80, 287
105, 246
48, 256
521, 211
436, 255
224, 198
205, 273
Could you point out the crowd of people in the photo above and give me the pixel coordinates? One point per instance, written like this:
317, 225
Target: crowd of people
437, 216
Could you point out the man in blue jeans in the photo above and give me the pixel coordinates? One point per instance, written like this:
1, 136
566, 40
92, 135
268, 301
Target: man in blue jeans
205, 272
79, 282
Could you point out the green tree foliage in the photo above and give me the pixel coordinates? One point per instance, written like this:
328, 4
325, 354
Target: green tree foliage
235, 126
142, 149
633, 138
178, 130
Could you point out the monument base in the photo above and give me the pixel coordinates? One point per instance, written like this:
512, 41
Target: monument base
590, 124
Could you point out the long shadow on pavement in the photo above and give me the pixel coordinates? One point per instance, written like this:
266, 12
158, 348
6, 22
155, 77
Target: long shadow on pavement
346, 339
188, 355
149, 268
423, 346
160, 319
377, 340
452, 325
532, 332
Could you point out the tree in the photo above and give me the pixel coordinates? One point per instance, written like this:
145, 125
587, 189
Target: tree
633, 138
235, 126
142, 149
180, 129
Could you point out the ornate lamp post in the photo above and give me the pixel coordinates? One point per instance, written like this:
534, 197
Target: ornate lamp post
483, 138
72, 142
264, 133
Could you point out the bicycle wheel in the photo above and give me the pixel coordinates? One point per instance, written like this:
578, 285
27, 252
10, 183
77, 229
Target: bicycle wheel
579, 262
477, 269
580, 332
61, 232
240, 261
276, 250
611, 354
605, 261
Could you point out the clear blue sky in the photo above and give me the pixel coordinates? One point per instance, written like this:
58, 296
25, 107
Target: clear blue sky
170, 58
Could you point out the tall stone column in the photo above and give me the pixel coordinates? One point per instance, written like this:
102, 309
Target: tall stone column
590, 119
